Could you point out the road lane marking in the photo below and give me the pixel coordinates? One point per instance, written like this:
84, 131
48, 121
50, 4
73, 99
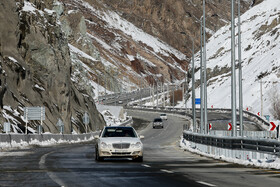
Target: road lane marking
205, 183
145, 165
52, 175
166, 171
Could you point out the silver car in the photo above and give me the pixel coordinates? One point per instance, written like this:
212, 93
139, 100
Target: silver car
119, 142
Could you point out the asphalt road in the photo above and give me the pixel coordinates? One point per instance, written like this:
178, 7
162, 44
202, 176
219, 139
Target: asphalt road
165, 164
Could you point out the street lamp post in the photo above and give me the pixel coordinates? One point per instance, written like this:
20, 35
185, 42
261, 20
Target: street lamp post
240, 74
193, 89
204, 73
233, 73
201, 78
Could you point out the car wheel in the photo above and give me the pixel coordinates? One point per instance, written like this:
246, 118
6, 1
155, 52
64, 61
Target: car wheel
139, 159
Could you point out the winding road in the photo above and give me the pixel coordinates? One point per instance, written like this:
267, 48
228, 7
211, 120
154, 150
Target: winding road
165, 164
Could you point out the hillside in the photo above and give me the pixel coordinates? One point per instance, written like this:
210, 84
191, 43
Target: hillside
260, 60
63, 54
35, 69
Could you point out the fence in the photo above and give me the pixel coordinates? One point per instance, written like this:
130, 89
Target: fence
248, 134
20, 140
233, 147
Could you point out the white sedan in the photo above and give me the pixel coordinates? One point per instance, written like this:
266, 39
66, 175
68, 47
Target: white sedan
163, 116
119, 142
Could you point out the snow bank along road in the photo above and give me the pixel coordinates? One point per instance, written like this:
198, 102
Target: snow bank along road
165, 164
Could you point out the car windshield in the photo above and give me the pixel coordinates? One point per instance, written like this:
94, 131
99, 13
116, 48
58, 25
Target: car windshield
158, 120
119, 132
162, 114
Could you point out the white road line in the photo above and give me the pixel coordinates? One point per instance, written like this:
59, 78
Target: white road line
205, 183
145, 165
52, 175
166, 171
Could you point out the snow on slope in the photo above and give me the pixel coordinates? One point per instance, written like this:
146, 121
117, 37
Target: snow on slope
116, 22
260, 57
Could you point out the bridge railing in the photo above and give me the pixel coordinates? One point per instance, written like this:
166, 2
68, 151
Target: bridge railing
22, 140
211, 144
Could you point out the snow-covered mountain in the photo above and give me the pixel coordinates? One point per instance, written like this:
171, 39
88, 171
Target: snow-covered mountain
260, 60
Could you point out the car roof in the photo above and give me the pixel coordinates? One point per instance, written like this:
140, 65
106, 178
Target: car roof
121, 127
157, 119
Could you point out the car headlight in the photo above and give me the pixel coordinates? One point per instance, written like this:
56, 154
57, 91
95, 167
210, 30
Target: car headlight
105, 146
137, 145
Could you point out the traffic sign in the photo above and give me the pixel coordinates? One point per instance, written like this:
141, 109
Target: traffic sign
210, 126
7, 127
259, 114
59, 123
86, 119
197, 101
34, 113
229, 126
267, 117
272, 125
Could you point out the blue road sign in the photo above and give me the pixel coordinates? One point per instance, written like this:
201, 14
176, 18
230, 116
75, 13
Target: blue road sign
197, 101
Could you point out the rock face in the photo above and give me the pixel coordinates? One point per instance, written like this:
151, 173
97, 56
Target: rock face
176, 21
55, 53
36, 68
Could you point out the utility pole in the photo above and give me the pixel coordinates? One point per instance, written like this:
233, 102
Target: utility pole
205, 68
98, 89
153, 95
173, 87
240, 74
193, 89
157, 94
168, 96
186, 91
233, 73
261, 82
201, 82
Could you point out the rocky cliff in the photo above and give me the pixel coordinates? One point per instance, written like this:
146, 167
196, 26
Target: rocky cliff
176, 21
62, 54
36, 69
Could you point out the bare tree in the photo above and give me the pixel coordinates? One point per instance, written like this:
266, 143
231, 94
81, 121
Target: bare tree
275, 103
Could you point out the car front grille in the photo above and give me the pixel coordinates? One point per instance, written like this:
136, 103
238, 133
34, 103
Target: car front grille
121, 153
121, 145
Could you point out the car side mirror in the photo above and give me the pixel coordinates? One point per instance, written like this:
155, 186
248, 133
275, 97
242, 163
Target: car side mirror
96, 137
141, 137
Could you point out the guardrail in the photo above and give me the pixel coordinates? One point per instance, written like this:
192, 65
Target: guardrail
248, 134
22, 140
233, 147
183, 111
252, 146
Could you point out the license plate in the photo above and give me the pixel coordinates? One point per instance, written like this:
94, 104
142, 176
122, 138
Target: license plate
120, 150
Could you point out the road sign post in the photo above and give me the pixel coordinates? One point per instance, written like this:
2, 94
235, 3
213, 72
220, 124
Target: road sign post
60, 124
229, 126
272, 125
277, 129
197, 101
210, 126
34, 113
7, 127
86, 120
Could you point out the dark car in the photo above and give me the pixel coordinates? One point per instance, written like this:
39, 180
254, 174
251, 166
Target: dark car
158, 123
